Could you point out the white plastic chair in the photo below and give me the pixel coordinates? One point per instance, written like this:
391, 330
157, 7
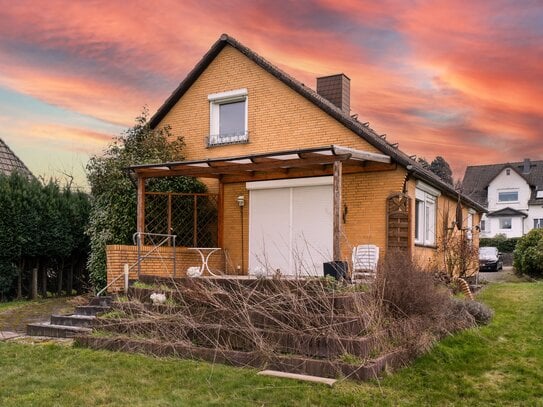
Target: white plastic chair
365, 260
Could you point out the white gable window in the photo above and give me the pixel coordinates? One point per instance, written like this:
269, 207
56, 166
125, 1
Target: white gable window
425, 214
507, 196
228, 118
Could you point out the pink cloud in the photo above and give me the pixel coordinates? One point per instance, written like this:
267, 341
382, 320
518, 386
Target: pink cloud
459, 79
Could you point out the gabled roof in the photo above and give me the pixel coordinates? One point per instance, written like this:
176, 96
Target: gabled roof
507, 212
9, 162
478, 177
364, 131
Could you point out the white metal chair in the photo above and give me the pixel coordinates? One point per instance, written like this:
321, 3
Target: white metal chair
365, 260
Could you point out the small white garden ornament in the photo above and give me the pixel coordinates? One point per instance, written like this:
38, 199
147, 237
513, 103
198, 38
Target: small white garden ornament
158, 299
194, 271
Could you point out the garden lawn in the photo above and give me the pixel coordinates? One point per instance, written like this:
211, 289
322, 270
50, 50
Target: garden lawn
499, 364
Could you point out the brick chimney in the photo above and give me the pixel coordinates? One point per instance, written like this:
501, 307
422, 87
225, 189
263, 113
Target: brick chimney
337, 89
527, 166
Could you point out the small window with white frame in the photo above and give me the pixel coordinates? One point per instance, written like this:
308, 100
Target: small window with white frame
506, 223
538, 223
425, 214
228, 118
507, 196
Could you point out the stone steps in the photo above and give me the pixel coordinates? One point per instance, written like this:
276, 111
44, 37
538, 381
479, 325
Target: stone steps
91, 310
67, 326
55, 331
85, 321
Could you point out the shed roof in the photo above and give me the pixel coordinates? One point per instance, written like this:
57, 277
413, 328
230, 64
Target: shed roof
254, 166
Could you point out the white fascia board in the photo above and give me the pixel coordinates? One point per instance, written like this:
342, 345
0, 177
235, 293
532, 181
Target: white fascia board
289, 183
361, 155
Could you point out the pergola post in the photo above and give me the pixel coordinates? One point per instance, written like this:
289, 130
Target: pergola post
338, 166
220, 215
140, 225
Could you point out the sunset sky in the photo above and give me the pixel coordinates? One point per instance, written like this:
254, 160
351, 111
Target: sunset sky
461, 79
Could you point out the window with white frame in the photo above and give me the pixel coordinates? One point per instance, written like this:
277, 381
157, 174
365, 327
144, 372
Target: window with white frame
506, 223
538, 223
228, 117
425, 214
508, 196
483, 226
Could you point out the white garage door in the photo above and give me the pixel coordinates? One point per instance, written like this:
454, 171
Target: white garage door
290, 225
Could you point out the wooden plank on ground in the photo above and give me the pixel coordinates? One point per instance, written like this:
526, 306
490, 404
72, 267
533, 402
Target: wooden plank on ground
295, 376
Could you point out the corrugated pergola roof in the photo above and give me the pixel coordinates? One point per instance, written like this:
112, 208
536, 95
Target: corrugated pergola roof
248, 166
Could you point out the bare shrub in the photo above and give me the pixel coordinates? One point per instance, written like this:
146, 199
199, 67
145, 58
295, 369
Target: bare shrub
481, 313
407, 289
419, 308
404, 311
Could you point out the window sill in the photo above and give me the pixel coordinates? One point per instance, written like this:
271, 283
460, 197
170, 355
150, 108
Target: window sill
427, 246
225, 140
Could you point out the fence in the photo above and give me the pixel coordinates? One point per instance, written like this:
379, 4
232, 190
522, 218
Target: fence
193, 218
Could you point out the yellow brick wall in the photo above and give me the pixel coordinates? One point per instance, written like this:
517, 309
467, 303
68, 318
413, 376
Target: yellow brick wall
232, 228
278, 117
365, 196
119, 255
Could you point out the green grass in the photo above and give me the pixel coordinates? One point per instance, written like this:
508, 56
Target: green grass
499, 364
4, 306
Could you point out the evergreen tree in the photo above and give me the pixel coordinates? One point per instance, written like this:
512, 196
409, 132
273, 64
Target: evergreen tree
441, 168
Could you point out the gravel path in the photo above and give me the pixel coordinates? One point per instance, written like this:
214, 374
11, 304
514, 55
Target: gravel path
505, 275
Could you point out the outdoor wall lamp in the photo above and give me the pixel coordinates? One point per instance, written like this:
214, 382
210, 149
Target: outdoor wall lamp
241, 201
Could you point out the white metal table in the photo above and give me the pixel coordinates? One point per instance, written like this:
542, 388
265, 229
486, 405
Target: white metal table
205, 258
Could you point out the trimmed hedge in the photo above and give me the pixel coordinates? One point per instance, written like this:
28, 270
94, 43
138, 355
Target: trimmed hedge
504, 244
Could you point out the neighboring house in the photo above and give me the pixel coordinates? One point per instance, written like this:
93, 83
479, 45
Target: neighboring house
299, 180
9, 162
512, 193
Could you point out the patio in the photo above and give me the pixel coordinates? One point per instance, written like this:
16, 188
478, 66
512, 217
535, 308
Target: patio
222, 220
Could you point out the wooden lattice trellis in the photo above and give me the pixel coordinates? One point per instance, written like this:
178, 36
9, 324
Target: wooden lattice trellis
398, 225
192, 217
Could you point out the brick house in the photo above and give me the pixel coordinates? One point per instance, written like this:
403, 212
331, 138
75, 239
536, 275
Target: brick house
298, 180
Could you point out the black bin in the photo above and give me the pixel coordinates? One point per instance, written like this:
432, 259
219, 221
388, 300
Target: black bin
336, 269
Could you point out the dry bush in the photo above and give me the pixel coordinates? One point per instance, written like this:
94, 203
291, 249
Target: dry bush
419, 307
480, 312
407, 289
320, 318
248, 315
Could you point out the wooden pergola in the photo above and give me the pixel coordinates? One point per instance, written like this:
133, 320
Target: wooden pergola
312, 162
